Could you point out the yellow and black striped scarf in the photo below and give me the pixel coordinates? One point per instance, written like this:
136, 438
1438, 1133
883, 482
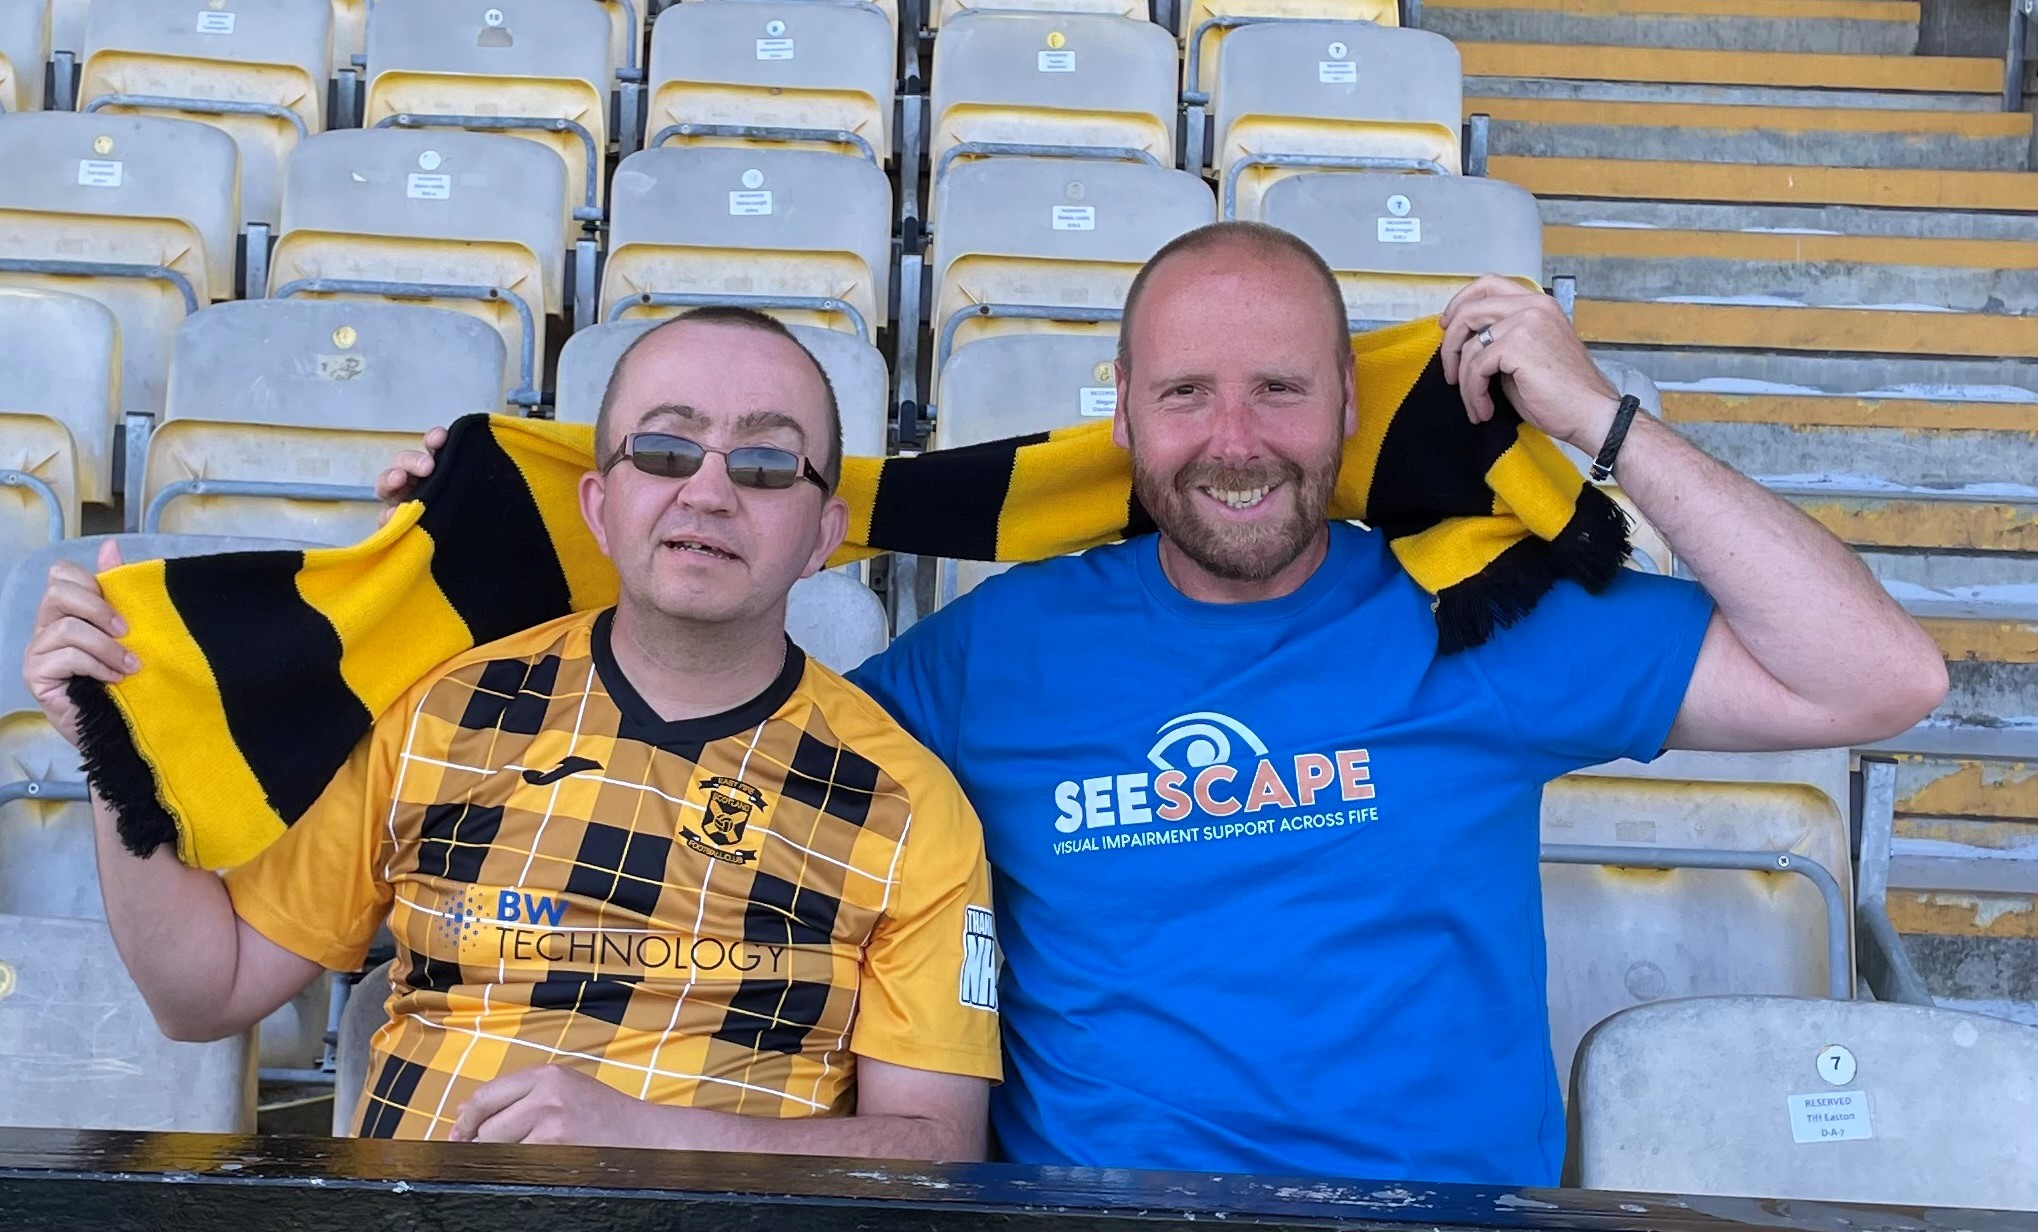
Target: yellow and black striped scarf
261, 670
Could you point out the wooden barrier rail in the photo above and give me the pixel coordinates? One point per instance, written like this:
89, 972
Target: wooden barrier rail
64, 1180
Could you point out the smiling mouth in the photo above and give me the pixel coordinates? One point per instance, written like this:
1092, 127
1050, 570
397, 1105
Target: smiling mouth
696, 547
1239, 498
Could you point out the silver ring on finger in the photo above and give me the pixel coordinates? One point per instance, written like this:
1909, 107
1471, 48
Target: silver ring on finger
1486, 336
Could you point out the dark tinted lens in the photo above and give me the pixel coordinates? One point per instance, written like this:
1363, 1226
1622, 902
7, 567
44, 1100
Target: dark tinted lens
761, 466
670, 457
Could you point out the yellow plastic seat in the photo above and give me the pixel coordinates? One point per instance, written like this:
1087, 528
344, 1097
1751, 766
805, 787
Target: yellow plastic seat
255, 69
137, 212
450, 219
24, 53
537, 70
801, 234
774, 70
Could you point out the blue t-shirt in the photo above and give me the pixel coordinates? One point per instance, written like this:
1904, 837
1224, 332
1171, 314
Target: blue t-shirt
1266, 874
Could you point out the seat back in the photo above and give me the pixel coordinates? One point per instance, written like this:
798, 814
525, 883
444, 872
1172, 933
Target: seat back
62, 361
1838, 1101
1621, 933
943, 11
79, 1049
813, 69
1203, 24
24, 53
436, 64
1058, 234
1403, 245
855, 369
777, 229
366, 1011
449, 208
153, 206
1083, 80
1338, 94
836, 619
265, 60
310, 394
47, 862
38, 484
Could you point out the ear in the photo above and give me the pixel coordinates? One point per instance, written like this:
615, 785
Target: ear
834, 528
594, 499
1121, 432
1351, 394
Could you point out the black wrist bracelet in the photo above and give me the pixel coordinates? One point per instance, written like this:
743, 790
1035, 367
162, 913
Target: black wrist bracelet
1602, 466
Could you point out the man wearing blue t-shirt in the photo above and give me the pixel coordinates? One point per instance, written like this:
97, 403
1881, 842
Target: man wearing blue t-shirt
1265, 862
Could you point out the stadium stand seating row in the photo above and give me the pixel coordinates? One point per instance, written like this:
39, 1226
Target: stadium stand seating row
267, 243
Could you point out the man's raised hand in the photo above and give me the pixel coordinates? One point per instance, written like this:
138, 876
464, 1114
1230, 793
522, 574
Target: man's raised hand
75, 635
406, 471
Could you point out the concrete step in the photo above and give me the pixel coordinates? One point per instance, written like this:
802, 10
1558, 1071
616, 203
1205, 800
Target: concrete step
1831, 271
1908, 521
1761, 77
1714, 133
1874, 27
1857, 457
1780, 327
1966, 800
1691, 370
1651, 180
1759, 219
1972, 578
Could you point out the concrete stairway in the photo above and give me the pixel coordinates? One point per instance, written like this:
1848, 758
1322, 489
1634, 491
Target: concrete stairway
1824, 249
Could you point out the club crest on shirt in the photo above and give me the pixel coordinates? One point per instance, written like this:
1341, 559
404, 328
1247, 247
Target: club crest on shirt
731, 806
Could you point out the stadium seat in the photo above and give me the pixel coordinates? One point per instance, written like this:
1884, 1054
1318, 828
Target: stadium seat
1774, 1097
1074, 84
836, 619
456, 220
770, 71
24, 53
1294, 96
367, 1010
59, 377
257, 70
854, 368
47, 864
1049, 245
942, 11
537, 69
79, 1049
1700, 874
1403, 245
281, 413
801, 234
145, 211
1203, 24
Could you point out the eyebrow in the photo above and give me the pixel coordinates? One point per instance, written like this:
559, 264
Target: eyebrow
750, 423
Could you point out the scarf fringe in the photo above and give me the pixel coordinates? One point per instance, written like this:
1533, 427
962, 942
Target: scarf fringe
114, 767
1594, 544
1506, 590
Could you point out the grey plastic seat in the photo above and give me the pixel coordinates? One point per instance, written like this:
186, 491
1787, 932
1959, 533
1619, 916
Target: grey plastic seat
24, 53
774, 70
1203, 25
802, 234
47, 867
79, 1049
367, 1010
854, 368
1774, 1097
256, 71
1049, 245
59, 376
1013, 82
281, 413
835, 618
144, 212
373, 213
1292, 96
1403, 245
540, 70
1700, 874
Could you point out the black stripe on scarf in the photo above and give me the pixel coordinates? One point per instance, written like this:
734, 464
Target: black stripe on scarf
948, 503
485, 554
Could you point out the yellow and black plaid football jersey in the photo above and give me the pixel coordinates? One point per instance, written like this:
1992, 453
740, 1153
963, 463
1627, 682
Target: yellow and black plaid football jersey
720, 912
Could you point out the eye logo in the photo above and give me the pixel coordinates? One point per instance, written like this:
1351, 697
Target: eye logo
1206, 738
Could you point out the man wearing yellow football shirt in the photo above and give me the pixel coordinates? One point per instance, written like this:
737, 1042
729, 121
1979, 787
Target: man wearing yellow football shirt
655, 877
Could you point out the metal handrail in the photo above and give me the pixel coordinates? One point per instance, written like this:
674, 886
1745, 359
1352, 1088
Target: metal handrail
755, 132
152, 519
699, 299
105, 269
1028, 149
36, 484
200, 106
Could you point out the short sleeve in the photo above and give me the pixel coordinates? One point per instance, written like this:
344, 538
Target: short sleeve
1585, 679
918, 679
930, 976
318, 891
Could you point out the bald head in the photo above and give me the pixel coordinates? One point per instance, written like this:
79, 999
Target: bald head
1221, 244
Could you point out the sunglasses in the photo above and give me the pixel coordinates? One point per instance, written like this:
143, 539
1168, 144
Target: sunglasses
751, 466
